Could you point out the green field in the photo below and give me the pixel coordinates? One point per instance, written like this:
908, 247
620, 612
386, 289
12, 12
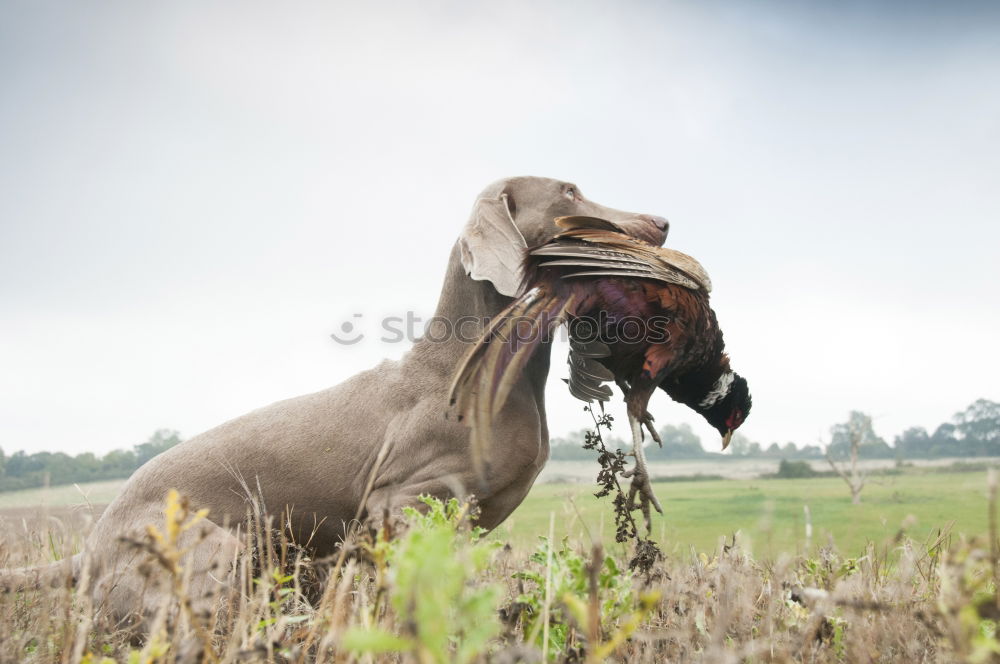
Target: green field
913, 609
767, 513
96, 493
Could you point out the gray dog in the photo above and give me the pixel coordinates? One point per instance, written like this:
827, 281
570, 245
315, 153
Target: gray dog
383, 433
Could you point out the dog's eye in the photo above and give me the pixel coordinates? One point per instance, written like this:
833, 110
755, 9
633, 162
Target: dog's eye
571, 193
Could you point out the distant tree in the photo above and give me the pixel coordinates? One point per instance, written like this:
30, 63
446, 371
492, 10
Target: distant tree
944, 441
20, 464
739, 445
978, 427
845, 435
679, 442
87, 467
22, 471
742, 446
570, 447
914, 442
854, 434
811, 452
60, 468
161, 441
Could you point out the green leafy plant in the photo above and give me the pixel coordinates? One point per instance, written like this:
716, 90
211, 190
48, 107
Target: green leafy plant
441, 613
582, 589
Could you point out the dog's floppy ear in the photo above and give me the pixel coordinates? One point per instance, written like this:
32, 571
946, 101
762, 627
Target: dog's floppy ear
492, 247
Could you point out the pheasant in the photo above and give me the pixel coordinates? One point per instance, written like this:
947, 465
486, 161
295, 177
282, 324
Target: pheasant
637, 315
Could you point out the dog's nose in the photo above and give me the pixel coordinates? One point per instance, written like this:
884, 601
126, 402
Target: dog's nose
659, 222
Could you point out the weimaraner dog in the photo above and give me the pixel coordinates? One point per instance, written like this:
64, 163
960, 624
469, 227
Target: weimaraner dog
313, 455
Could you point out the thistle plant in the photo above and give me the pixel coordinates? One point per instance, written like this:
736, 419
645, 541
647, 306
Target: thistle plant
612, 466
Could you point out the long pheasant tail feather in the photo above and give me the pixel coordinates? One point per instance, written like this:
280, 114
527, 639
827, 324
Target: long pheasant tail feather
492, 367
460, 392
514, 343
535, 327
464, 395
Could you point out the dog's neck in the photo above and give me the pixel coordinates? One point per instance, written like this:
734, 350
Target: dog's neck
467, 306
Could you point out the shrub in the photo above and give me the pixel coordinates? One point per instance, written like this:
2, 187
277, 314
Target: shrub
794, 470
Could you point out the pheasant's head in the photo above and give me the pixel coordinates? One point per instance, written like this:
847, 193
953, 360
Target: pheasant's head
726, 405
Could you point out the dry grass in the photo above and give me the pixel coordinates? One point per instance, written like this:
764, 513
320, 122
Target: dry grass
431, 594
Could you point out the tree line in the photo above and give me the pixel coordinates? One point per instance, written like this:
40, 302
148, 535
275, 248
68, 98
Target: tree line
25, 471
972, 432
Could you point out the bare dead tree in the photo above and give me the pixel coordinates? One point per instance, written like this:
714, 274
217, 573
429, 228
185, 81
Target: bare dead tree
857, 427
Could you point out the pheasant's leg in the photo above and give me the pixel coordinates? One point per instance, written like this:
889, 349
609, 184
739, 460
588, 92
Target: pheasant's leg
647, 418
640, 476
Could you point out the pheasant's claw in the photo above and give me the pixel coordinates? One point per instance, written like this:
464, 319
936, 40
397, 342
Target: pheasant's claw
642, 488
640, 475
647, 421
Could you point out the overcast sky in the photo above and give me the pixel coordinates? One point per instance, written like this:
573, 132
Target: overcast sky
193, 196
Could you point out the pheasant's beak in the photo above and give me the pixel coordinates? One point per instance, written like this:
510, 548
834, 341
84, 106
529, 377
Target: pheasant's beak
727, 438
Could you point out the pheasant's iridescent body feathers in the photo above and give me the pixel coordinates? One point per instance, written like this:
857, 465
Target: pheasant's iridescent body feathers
637, 314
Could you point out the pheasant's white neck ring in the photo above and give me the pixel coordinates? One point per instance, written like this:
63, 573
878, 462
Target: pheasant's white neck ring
719, 391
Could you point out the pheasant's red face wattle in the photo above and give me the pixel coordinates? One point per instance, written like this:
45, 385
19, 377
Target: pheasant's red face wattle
734, 421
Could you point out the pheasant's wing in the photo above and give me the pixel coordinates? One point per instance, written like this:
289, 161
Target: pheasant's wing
492, 366
589, 348
686, 264
588, 253
590, 238
668, 276
587, 376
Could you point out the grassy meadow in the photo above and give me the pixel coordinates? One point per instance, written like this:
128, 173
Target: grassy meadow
94, 493
874, 583
768, 513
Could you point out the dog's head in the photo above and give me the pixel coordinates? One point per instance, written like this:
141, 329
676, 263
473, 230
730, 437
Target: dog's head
515, 213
